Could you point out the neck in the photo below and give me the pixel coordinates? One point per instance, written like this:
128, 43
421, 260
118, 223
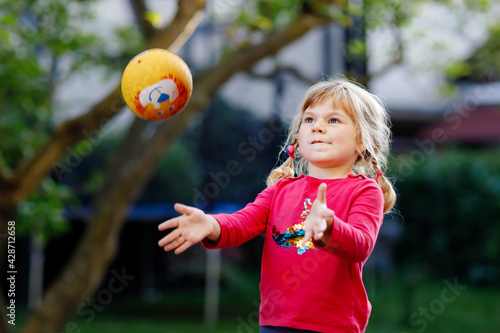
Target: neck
329, 173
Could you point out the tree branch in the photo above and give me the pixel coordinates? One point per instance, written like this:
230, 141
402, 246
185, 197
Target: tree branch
139, 9
209, 82
183, 25
247, 57
279, 70
396, 60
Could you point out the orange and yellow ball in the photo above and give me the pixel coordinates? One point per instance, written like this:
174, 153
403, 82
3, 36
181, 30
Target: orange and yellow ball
156, 84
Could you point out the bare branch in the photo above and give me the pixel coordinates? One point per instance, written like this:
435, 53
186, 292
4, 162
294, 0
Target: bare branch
396, 60
183, 25
280, 70
139, 9
247, 57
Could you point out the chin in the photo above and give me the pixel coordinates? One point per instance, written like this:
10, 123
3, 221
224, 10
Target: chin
323, 164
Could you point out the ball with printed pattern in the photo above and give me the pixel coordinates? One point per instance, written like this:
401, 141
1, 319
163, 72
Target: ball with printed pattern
156, 84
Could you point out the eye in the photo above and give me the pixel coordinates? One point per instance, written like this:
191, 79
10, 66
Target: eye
308, 120
333, 121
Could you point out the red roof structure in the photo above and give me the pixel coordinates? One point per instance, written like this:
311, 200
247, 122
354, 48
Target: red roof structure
476, 126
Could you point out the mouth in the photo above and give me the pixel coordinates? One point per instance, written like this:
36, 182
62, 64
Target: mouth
317, 141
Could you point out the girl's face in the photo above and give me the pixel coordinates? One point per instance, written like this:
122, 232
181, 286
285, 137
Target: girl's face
327, 140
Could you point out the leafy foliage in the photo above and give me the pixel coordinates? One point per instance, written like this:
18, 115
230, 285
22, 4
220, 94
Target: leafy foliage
43, 215
42, 44
34, 36
484, 64
450, 208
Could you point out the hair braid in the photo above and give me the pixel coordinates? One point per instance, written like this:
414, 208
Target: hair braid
285, 170
385, 185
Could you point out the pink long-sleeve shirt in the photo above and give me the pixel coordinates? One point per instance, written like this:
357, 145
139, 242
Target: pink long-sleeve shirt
318, 289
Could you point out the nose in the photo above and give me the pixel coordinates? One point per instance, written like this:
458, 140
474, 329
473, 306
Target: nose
319, 126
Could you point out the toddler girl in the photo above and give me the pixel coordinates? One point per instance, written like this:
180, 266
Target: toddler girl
320, 226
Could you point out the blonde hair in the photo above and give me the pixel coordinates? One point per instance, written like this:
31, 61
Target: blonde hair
372, 132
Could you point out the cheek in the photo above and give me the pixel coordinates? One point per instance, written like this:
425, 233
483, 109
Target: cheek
301, 137
348, 140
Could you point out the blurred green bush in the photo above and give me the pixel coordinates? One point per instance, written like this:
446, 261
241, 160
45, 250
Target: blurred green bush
450, 206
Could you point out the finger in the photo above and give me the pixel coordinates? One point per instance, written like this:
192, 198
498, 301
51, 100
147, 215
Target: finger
184, 209
320, 226
322, 193
169, 224
327, 213
174, 244
169, 238
319, 229
307, 237
186, 245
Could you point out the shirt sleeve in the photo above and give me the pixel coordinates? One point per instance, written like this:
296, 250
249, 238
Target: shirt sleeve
245, 224
353, 240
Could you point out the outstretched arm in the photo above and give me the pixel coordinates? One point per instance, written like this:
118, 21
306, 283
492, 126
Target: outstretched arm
190, 228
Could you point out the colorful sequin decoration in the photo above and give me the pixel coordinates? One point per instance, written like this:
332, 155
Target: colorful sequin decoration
293, 235
307, 209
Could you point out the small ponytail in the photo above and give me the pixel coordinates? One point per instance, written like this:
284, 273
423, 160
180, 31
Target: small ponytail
285, 170
389, 193
385, 185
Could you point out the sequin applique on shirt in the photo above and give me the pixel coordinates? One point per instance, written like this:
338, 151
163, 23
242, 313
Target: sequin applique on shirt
292, 237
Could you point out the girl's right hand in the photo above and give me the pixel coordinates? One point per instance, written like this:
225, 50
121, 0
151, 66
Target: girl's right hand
318, 224
190, 228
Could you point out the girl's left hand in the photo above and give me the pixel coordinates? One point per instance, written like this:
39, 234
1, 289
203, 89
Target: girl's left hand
319, 221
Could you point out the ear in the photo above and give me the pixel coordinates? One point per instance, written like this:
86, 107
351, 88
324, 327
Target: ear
361, 148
